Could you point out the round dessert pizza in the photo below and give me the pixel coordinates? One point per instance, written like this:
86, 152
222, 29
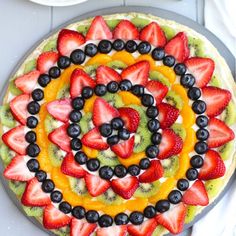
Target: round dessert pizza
119, 125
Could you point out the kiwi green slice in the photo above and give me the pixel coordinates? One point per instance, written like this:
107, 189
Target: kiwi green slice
190, 214
142, 114
83, 29
50, 45
64, 231
91, 70
140, 22
146, 190
196, 46
6, 116
13, 89
108, 158
78, 186
213, 187
156, 75
56, 155
179, 130
33, 211
174, 99
170, 165
169, 32
116, 64
229, 114
142, 139
86, 123
226, 150
110, 198
64, 92
158, 231
215, 82
5, 154
17, 187
29, 66
112, 23
114, 99
50, 124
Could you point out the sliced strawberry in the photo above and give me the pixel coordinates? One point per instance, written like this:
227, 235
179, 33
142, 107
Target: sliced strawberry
93, 139
216, 100
103, 112
157, 89
213, 166
96, 185
125, 187
15, 139
201, 68
70, 167
17, 170
34, 195
69, 40
116, 230
145, 229
171, 144
153, 34
220, 133
137, 73
81, 228
126, 30
54, 218
60, 109
130, 117
98, 30
60, 138
105, 74
167, 115
18, 107
178, 47
27, 82
46, 60
153, 173
196, 195
124, 149
173, 219
78, 80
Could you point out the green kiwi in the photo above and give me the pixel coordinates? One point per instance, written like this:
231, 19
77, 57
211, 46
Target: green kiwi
156, 75
78, 186
17, 187
13, 89
64, 231
50, 124
179, 130
196, 46
226, 150
33, 211
114, 99
112, 23
91, 70
159, 230
83, 29
229, 114
213, 187
142, 113
116, 64
56, 155
6, 116
142, 139
174, 99
6, 154
108, 158
50, 45
86, 123
215, 82
190, 214
110, 198
29, 66
169, 32
170, 165
140, 22
146, 190
64, 92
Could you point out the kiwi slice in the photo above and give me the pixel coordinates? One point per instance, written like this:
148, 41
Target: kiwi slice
169, 32
213, 187
83, 29
110, 198
116, 64
6, 154
13, 89
78, 186
142, 139
50, 124
114, 99
29, 66
112, 23
91, 70
215, 82
229, 114
156, 75
196, 46
174, 99
64, 92
33, 211
86, 123
108, 158
158, 231
226, 150
56, 155
140, 22
179, 130
170, 165
142, 114
64, 231
17, 187
50, 45
190, 214
6, 116
146, 190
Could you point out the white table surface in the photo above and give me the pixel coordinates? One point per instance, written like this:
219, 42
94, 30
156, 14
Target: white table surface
22, 23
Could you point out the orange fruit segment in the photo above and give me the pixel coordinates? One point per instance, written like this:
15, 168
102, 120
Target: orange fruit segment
72, 198
91, 153
128, 98
167, 72
113, 210
184, 164
101, 59
124, 56
179, 89
88, 106
189, 141
137, 204
147, 58
188, 116
89, 204
133, 159
59, 178
44, 161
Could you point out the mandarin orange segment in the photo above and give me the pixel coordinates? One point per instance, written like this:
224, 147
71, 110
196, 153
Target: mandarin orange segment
42, 139
137, 204
189, 141
44, 161
188, 116
88, 106
124, 56
60, 180
167, 72
51, 90
65, 76
184, 164
133, 159
147, 58
113, 210
100, 59
72, 198
43, 112
91, 153
128, 98
90, 204
179, 89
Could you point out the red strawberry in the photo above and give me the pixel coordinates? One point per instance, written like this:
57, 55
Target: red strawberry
220, 133
125, 187
105, 74
78, 80
167, 115
157, 89
93, 139
18, 107
60, 138
201, 68
124, 149
213, 167
145, 229
69, 40
17, 170
34, 195
171, 144
60, 109
196, 195
216, 100
15, 139
153, 34
153, 173
116, 230
27, 82
81, 228
103, 112
54, 218
178, 47
70, 167
130, 117
137, 73
46, 60
173, 219
126, 30
98, 30
95, 185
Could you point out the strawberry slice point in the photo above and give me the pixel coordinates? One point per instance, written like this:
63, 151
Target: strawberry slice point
116, 230
105, 74
46, 60
157, 89
81, 228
